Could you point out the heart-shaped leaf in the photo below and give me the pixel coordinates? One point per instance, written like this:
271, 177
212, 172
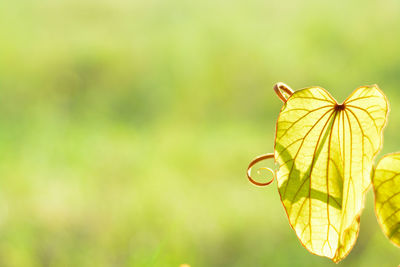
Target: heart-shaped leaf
386, 183
325, 151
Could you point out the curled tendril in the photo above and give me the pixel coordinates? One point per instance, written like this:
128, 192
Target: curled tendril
283, 91
256, 160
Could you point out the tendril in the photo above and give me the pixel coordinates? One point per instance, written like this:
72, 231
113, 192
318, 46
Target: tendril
256, 160
283, 91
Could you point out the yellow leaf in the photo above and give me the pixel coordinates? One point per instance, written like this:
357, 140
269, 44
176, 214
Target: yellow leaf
325, 151
386, 183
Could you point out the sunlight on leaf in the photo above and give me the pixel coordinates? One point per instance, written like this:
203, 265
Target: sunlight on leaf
386, 183
325, 151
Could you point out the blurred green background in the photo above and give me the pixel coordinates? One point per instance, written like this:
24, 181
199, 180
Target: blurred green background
127, 126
